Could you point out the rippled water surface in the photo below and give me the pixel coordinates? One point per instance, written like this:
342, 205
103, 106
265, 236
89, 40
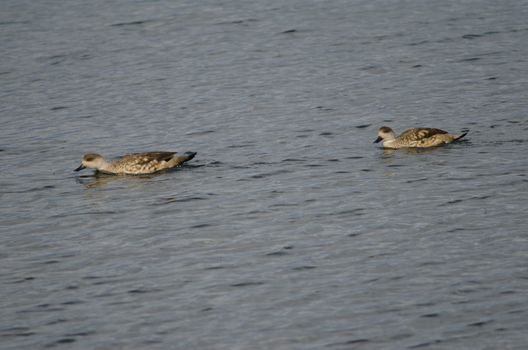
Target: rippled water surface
290, 229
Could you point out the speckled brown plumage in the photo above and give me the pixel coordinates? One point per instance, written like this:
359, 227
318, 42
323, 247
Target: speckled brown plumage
416, 137
136, 163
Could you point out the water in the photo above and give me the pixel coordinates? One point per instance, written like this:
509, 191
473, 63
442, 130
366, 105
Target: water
290, 229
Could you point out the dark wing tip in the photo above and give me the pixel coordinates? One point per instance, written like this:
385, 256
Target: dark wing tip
190, 155
461, 135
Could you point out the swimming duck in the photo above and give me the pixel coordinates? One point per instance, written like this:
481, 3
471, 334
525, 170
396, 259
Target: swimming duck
415, 137
135, 163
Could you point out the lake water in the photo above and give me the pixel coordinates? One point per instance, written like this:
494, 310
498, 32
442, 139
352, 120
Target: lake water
290, 229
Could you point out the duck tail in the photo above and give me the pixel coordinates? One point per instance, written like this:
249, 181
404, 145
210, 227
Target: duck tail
189, 156
461, 136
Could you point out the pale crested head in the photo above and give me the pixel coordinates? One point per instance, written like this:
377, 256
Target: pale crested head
385, 133
90, 157
385, 130
92, 160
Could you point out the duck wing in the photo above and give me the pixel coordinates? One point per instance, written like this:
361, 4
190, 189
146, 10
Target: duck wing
417, 134
148, 157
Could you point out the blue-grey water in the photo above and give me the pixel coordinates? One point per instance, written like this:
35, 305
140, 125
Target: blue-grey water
290, 229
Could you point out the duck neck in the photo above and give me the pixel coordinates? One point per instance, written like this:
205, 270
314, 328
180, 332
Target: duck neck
390, 143
105, 166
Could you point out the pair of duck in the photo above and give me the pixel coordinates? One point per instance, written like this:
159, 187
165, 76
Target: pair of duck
151, 162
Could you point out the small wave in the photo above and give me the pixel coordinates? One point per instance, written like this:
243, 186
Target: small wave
362, 126
292, 160
64, 341
475, 36
349, 342
323, 108
247, 284
237, 21
263, 175
277, 253
304, 268
470, 59
168, 200
142, 290
132, 23
201, 132
200, 225
426, 344
58, 108
417, 180
480, 323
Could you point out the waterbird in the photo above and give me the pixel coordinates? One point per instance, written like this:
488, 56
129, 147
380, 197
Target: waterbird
135, 163
415, 138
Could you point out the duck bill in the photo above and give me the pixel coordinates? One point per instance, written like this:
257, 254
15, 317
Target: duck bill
81, 167
378, 139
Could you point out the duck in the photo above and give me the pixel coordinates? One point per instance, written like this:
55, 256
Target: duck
135, 163
416, 138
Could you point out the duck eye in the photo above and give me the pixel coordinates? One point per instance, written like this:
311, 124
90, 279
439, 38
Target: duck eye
89, 159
